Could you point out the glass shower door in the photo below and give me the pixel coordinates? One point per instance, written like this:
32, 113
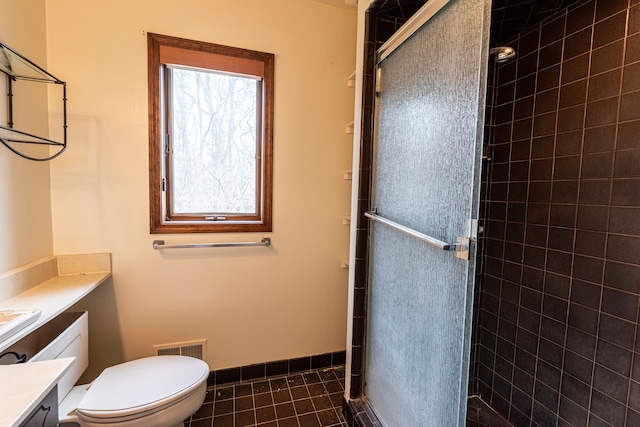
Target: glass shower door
430, 100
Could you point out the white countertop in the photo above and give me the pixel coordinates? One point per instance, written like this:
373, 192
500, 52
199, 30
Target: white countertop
53, 296
51, 285
25, 385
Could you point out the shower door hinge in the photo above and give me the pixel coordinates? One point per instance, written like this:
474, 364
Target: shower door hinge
475, 229
463, 243
462, 248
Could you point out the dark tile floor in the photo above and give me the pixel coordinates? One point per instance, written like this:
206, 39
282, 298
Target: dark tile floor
308, 399
479, 414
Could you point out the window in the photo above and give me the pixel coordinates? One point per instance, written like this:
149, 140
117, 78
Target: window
210, 137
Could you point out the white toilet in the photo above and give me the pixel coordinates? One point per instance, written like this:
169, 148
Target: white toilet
159, 391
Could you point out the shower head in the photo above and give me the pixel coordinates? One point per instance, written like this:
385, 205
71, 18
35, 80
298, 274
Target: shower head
503, 53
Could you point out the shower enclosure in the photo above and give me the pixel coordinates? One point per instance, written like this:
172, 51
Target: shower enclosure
557, 285
430, 100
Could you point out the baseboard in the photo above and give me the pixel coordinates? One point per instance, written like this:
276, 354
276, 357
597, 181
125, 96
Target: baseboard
278, 367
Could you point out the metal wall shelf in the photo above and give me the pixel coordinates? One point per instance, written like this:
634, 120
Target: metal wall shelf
16, 67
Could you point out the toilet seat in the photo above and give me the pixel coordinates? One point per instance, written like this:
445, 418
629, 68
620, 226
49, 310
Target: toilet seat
141, 387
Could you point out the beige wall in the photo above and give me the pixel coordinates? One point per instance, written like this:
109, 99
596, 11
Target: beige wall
25, 213
252, 304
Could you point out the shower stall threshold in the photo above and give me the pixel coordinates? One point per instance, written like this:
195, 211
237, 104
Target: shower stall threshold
479, 414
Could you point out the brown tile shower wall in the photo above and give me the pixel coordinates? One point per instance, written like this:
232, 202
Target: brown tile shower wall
557, 342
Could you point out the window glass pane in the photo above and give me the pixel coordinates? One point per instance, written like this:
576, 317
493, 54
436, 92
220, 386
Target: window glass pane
214, 142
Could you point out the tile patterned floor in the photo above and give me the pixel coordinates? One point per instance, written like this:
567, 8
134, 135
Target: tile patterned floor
479, 414
308, 399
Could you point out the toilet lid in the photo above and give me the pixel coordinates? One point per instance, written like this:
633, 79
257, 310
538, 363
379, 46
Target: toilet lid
142, 385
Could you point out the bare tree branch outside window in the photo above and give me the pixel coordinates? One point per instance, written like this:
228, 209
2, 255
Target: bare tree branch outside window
214, 142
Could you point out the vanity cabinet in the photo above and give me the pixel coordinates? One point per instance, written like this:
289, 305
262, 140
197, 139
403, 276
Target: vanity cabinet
46, 412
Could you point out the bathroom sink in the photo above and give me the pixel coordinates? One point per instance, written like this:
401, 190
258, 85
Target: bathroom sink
11, 321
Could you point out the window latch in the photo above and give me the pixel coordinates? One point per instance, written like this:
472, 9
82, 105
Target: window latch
215, 218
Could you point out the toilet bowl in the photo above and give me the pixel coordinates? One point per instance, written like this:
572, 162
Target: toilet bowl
158, 391
155, 391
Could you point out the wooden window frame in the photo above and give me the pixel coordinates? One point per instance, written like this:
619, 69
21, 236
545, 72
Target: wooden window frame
166, 50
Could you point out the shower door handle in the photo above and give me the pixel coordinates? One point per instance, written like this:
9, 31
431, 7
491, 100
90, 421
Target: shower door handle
461, 247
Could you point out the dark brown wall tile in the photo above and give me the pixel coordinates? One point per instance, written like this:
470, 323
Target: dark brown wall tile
598, 165
568, 143
590, 243
609, 30
570, 119
526, 86
605, 9
595, 192
581, 342
544, 124
536, 235
580, 17
585, 322
521, 129
611, 384
573, 94
602, 112
593, 218
575, 69
632, 53
605, 85
550, 55
626, 192
629, 135
630, 107
580, 369
547, 101
561, 239
624, 220
542, 147
565, 265
565, 191
600, 139
552, 31
566, 167
550, 78
623, 248
617, 331
520, 149
631, 80
586, 294
620, 304
625, 277
507, 72
541, 170
587, 268
563, 215
523, 108
634, 20
505, 93
627, 164
528, 42
527, 64
607, 57
614, 357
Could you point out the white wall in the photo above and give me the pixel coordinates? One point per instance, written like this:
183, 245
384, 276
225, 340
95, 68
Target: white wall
25, 213
252, 304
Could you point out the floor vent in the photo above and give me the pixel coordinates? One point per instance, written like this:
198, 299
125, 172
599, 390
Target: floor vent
197, 349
